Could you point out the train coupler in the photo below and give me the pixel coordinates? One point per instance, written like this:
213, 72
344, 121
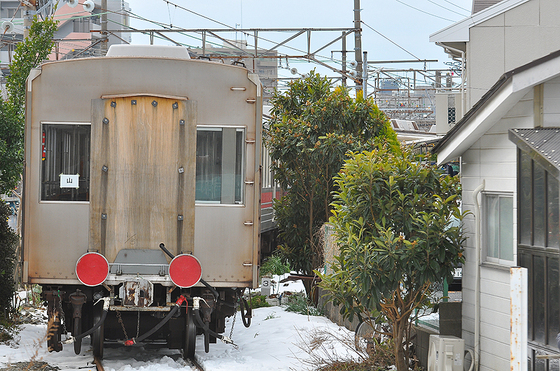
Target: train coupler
78, 299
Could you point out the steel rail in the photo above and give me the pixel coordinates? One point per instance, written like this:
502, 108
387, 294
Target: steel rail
98, 364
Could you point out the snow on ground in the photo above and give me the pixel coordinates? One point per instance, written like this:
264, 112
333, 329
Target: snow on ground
273, 342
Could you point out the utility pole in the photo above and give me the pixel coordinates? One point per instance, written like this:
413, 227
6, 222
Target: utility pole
344, 71
29, 8
365, 75
104, 27
358, 44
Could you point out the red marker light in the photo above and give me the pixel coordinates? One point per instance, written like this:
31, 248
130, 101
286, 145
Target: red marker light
185, 270
92, 269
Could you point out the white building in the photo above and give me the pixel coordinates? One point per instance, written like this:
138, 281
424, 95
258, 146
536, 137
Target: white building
75, 24
511, 49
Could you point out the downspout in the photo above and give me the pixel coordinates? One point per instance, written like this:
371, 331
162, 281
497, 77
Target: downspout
463, 103
477, 277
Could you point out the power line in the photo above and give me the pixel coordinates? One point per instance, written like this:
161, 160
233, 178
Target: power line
458, 6
379, 33
422, 11
231, 28
451, 10
198, 14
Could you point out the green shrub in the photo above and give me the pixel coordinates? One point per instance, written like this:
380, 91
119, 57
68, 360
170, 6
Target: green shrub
258, 301
8, 330
275, 265
8, 244
298, 303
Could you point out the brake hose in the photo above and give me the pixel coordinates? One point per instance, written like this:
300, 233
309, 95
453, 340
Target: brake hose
106, 302
171, 313
205, 327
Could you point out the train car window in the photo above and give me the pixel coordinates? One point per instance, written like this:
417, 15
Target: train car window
65, 162
267, 174
219, 165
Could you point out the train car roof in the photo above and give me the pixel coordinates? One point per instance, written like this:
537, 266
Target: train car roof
157, 51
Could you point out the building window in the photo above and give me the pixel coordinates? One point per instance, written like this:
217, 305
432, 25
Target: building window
498, 233
219, 165
537, 250
538, 197
81, 25
65, 151
13, 13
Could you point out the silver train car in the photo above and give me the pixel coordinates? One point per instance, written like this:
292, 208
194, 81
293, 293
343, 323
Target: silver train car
141, 211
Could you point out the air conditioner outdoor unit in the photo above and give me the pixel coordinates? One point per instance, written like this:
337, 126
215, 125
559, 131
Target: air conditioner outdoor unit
446, 353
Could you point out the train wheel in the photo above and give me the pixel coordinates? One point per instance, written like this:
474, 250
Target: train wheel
98, 336
77, 330
190, 336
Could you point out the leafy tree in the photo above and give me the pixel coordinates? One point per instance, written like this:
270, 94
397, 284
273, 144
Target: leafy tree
393, 219
312, 128
28, 54
8, 243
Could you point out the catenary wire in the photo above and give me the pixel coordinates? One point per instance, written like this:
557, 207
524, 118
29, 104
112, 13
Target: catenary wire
451, 10
394, 43
458, 6
423, 11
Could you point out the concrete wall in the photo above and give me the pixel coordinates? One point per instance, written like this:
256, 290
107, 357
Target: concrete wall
332, 312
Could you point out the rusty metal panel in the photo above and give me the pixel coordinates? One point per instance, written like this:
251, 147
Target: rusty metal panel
138, 293
143, 174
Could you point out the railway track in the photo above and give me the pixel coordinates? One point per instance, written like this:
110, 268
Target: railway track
98, 364
194, 363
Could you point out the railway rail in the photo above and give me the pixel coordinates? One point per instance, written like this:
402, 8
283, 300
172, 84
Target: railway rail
98, 364
195, 364
193, 361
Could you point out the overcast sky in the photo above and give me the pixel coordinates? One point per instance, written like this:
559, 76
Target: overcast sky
392, 29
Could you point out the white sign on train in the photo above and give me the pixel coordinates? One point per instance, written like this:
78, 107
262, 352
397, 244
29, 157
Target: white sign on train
69, 180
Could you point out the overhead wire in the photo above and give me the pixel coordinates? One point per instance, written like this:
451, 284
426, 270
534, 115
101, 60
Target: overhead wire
423, 11
394, 43
235, 29
451, 10
458, 6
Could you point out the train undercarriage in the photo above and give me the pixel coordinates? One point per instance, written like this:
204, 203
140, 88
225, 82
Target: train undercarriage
173, 320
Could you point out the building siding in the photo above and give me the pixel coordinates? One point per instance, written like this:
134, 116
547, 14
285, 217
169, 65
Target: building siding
492, 159
551, 103
509, 40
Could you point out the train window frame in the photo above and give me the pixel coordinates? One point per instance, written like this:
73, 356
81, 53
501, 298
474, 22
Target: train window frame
240, 167
83, 178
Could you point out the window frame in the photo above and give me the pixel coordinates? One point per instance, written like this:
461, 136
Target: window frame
486, 195
13, 12
542, 260
41, 166
237, 128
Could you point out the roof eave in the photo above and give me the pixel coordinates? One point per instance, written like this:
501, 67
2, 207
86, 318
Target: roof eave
481, 120
493, 105
459, 31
